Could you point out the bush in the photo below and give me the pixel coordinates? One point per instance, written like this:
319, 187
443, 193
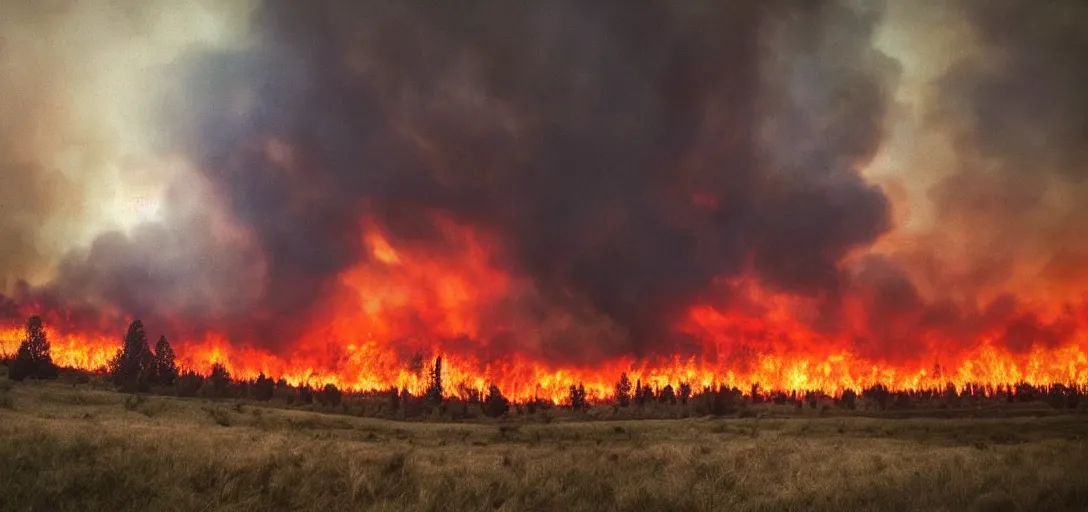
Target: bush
189, 384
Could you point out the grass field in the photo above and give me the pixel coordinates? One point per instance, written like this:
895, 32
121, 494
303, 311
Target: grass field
77, 448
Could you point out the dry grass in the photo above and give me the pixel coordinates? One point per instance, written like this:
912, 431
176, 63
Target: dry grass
65, 448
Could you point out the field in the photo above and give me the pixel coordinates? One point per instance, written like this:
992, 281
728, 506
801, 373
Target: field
65, 447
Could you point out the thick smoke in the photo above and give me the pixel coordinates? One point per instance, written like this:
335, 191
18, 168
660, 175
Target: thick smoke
629, 157
624, 154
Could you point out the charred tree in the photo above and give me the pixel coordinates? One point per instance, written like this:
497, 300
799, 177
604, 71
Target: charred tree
623, 390
578, 397
434, 390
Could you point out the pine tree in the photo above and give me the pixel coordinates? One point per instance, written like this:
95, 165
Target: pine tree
434, 391
623, 390
495, 404
133, 365
33, 358
264, 388
220, 379
668, 395
165, 368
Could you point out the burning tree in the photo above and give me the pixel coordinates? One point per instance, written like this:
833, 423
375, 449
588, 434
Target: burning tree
33, 358
165, 368
578, 397
434, 390
668, 395
133, 365
849, 398
623, 390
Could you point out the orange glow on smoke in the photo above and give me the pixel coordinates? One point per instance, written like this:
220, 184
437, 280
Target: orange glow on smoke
412, 299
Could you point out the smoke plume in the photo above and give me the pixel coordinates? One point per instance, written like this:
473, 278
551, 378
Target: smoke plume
625, 161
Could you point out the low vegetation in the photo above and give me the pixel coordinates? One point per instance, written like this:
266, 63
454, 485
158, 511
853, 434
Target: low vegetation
82, 447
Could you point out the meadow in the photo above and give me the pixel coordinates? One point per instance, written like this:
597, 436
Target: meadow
74, 447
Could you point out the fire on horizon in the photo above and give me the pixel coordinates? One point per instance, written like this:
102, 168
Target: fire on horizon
815, 196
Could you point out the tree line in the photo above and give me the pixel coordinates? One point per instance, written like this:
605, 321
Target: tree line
136, 367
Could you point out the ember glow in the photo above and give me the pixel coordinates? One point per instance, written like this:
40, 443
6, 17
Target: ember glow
711, 193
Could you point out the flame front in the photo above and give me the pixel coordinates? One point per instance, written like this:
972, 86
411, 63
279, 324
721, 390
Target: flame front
410, 300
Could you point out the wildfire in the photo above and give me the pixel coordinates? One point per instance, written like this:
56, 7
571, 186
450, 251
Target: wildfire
410, 300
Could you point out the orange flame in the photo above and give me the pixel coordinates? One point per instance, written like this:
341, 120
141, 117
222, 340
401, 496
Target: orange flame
407, 300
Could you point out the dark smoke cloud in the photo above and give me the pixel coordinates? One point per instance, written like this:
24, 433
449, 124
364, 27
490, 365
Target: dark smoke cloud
624, 153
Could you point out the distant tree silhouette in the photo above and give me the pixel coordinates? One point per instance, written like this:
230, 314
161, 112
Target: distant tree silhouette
495, 405
33, 358
220, 380
578, 397
263, 388
724, 401
668, 395
878, 393
329, 395
849, 398
685, 392
394, 398
640, 394
623, 390
434, 390
647, 393
305, 394
165, 368
132, 367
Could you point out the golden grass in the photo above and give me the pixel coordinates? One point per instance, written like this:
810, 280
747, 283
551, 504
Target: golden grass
65, 448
